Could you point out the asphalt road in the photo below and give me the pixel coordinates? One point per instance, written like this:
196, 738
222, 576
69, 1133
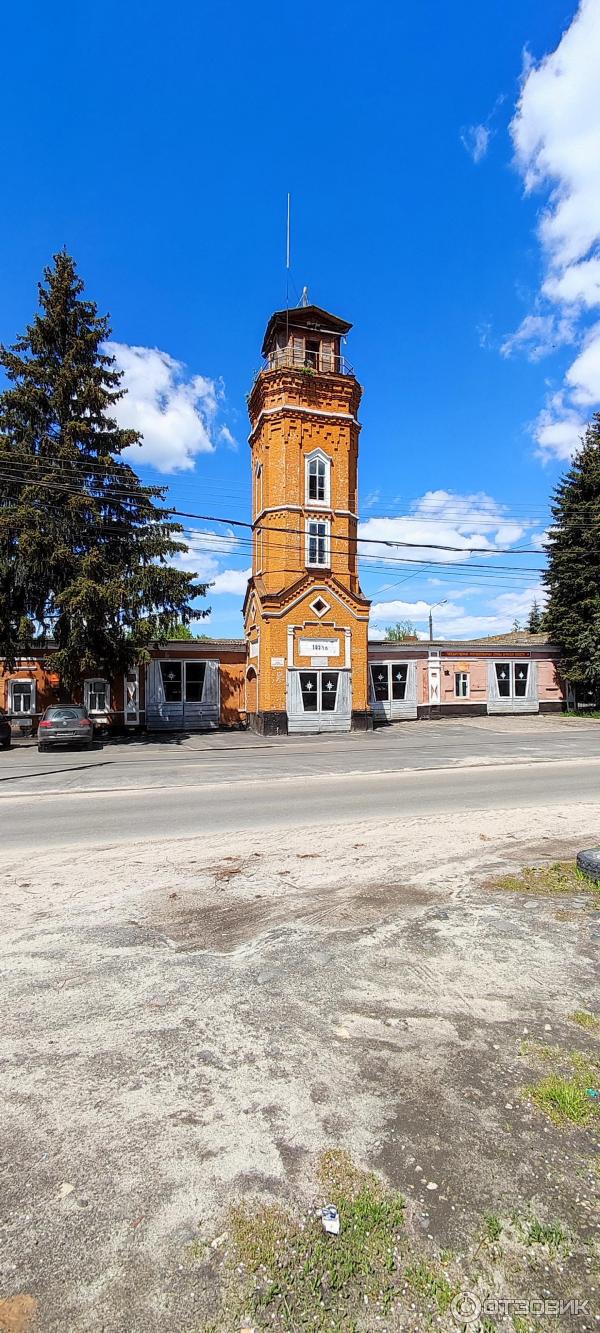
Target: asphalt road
36, 821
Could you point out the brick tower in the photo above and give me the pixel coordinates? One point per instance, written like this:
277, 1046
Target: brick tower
306, 619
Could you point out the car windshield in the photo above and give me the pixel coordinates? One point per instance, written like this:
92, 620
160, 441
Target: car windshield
63, 714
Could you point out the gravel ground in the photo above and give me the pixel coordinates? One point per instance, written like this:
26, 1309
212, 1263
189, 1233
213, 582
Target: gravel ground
189, 1023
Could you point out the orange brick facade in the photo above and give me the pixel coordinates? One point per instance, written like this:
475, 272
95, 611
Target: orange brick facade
305, 615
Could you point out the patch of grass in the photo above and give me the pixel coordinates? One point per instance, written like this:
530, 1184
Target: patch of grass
493, 1227
585, 1019
550, 1234
427, 1281
564, 1093
564, 877
581, 713
299, 1277
563, 1099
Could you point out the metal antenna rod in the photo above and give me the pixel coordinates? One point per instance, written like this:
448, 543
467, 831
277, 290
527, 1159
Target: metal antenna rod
287, 271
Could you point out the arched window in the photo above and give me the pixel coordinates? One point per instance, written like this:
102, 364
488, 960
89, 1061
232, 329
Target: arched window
318, 467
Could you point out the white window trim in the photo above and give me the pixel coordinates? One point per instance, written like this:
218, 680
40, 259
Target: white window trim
512, 663
22, 680
193, 661
326, 563
87, 684
468, 693
259, 488
323, 458
324, 609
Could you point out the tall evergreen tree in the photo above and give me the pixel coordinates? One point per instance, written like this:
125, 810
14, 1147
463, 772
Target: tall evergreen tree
572, 617
535, 622
85, 549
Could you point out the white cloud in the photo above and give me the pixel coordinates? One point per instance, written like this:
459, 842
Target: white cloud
583, 377
539, 335
558, 430
441, 518
202, 552
225, 436
556, 133
579, 284
174, 411
475, 139
231, 581
556, 137
453, 622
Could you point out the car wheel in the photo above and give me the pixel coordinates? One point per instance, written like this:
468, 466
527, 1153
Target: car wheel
42, 749
6, 745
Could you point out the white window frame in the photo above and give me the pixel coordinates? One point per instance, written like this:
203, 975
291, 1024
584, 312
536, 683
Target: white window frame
88, 691
512, 664
388, 666
459, 694
319, 456
325, 563
21, 680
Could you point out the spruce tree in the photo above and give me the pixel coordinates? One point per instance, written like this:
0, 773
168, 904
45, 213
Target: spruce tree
535, 623
86, 550
572, 617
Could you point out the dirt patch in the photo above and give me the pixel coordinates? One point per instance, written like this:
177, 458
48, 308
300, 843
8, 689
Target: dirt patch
17, 1314
194, 1052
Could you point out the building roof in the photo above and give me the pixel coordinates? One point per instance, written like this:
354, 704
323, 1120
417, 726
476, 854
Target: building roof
516, 636
202, 643
511, 641
304, 317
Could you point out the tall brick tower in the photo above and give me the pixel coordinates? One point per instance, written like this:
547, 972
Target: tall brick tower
305, 616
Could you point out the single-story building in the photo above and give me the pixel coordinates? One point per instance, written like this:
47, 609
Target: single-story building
203, 684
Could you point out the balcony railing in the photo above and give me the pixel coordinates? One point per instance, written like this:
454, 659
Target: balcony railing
307, 362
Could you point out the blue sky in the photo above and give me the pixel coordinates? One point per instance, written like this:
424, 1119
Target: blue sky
443, 163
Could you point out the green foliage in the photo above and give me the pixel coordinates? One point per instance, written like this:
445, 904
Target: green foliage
585, 1019
564, 877
298, 1277
86, 553
565, 1091
181, 631
572, 617
429, 1282
535, 623
493, 1227
403, 629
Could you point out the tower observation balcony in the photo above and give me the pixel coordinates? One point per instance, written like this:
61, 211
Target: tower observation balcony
320, 360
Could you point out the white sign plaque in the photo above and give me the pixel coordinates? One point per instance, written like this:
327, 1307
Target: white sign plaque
277, 661
319, 647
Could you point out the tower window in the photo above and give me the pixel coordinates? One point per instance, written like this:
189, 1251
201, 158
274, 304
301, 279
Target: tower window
317, 543
318, 467
313, 348
316, 479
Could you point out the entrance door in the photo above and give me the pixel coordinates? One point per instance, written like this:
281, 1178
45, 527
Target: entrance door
319, 700
182, 695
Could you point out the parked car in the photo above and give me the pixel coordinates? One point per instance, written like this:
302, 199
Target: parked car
5, 732
65, 724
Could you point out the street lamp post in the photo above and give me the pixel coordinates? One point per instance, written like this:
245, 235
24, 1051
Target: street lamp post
432, 608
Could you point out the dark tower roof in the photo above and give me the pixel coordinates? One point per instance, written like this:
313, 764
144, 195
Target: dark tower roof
307, 318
